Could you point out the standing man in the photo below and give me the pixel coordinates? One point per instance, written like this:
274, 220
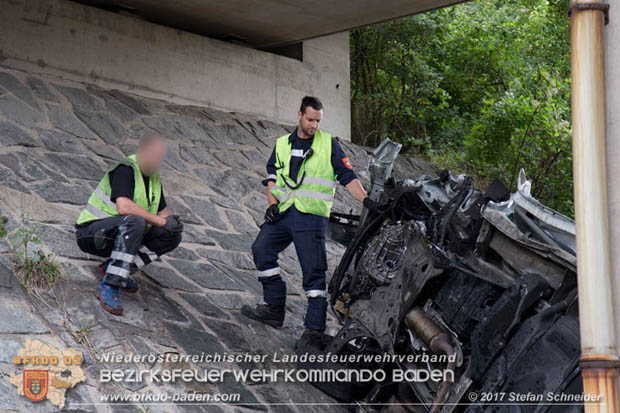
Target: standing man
126, 221
303, 171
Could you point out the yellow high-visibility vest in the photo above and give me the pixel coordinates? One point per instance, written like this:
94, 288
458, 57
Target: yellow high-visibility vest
313, 192
101, 206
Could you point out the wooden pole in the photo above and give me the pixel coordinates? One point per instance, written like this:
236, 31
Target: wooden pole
599, 360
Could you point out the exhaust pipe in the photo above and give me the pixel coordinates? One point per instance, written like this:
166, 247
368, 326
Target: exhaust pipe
438, 341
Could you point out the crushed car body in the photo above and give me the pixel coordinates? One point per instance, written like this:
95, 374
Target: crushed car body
488, 278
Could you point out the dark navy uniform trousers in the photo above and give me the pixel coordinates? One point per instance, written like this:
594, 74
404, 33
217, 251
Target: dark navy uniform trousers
307, 232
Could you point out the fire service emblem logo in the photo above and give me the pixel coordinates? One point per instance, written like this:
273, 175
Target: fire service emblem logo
35, 384
45, 372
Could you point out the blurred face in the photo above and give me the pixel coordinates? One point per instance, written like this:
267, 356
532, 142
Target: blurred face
151, 157
309, 121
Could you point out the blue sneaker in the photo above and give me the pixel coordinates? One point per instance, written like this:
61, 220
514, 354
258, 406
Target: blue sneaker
131, 286
108, 297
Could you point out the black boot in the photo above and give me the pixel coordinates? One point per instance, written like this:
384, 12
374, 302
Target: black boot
267, 313
312, 341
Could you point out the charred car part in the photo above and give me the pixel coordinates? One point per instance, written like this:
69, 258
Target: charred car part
487, 278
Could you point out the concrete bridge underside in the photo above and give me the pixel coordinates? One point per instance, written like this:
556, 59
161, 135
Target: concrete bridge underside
269, 23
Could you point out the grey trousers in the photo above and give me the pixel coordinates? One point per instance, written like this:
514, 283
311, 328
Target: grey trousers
127, 244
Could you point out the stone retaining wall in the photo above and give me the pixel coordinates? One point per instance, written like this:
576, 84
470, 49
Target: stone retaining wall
56, 140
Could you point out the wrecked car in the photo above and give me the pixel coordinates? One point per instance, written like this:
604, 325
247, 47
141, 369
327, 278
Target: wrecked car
488, 278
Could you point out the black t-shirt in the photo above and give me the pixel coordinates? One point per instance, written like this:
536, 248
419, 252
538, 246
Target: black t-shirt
123, 183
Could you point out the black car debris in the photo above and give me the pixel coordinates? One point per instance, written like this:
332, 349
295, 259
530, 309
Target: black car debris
488, 278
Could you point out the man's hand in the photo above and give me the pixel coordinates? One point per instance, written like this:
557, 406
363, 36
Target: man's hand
163, 213
356, 189
374, 206
126, 206
173, 224
272, 214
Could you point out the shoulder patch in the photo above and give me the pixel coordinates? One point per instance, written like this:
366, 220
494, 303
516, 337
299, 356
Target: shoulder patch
347, 163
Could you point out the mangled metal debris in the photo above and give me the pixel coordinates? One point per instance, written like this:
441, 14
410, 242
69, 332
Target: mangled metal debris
488, 278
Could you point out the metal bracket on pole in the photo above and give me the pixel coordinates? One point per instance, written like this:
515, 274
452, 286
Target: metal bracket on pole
604, 7
601, 363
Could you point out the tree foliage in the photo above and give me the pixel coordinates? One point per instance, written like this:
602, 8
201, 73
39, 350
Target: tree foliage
482, 88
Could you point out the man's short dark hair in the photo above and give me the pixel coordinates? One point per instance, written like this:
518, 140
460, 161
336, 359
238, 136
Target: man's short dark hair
311, 101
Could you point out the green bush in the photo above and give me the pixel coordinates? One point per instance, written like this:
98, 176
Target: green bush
481, 88
33, 268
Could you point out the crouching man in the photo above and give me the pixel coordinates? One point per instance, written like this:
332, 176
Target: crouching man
126, 221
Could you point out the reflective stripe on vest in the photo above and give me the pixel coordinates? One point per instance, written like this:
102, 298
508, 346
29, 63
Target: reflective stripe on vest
104, 197
314, 191
100, 204
95, 212
305, 194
